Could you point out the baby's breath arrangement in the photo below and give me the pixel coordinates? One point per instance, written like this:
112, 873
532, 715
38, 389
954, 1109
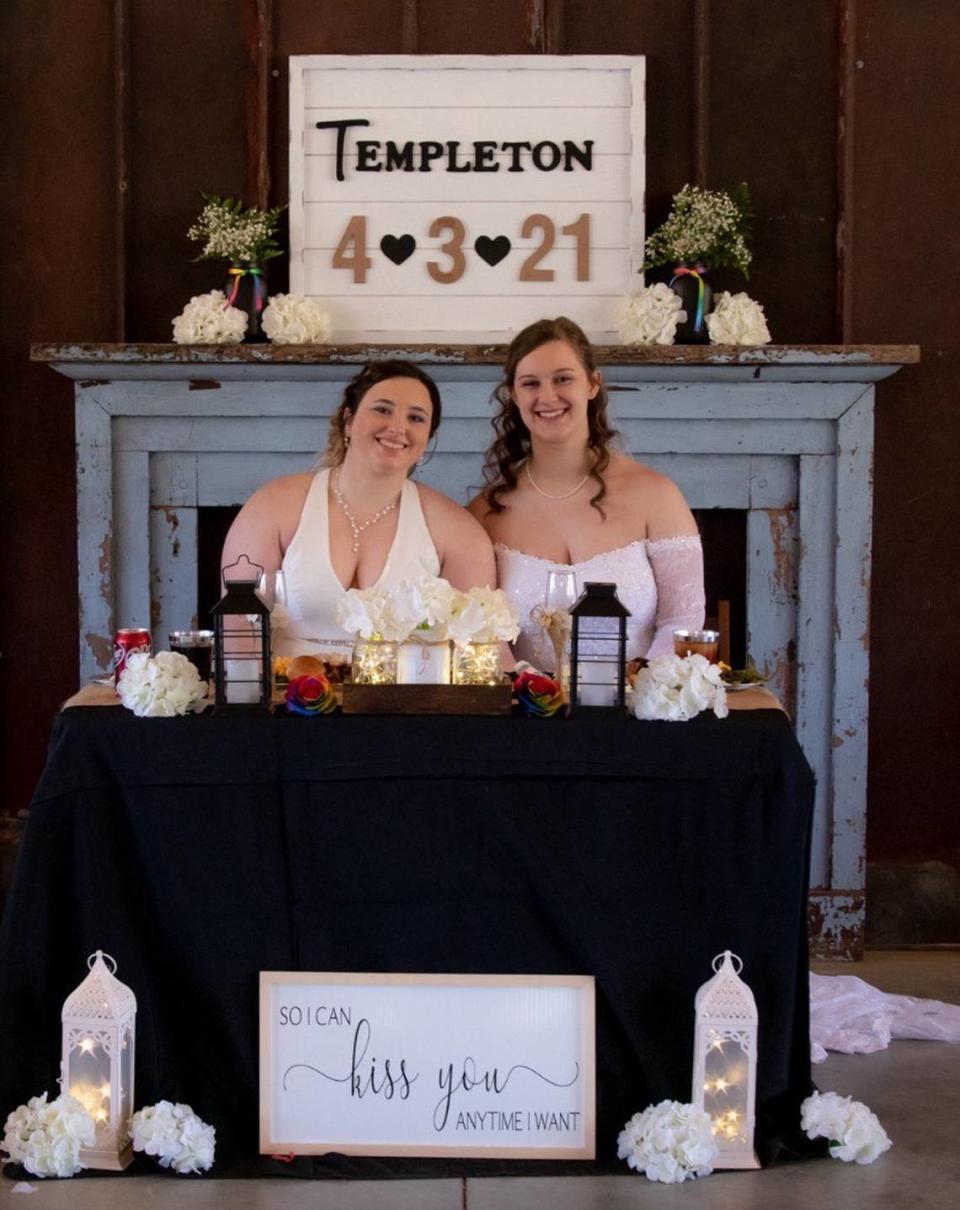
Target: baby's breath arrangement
710, 226
233, 233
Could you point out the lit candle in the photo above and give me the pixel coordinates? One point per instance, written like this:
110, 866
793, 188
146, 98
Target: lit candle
596, 681
243, 682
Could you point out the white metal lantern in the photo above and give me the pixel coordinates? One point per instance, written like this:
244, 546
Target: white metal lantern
99, 1021
725, 1061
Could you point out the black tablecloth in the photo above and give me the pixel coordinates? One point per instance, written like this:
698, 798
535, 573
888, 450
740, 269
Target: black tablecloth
200, 851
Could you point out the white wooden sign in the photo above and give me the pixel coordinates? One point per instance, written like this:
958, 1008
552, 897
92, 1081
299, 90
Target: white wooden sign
461, 197
476, 1065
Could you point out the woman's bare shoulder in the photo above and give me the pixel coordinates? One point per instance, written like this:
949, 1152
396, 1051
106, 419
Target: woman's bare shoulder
285, 492
656, 497
440, 508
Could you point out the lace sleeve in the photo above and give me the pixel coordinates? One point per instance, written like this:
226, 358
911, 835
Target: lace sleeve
677, 565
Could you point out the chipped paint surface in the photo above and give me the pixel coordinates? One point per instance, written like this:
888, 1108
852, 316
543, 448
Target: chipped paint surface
835, 923
101, 648
783, 535
484, 353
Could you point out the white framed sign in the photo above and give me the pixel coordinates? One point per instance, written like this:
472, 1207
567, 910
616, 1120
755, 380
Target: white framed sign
459, 198
457, 1065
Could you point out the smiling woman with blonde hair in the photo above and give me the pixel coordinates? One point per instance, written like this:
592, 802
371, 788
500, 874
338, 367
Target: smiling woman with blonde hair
558, 495
360, 521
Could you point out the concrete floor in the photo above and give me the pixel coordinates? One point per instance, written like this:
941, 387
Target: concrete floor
914, 1088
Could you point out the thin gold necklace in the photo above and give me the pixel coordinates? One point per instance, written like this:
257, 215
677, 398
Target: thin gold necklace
549, 495
358, 526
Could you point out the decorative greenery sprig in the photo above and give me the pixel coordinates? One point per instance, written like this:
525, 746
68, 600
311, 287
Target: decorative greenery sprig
711, 226
236, 234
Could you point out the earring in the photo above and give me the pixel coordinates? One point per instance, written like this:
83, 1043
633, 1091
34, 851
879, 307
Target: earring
346, 440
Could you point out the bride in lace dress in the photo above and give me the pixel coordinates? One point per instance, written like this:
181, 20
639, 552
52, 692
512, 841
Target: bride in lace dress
558, 496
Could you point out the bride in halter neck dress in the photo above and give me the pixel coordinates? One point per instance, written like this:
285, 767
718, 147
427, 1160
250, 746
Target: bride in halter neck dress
557, 496
359, 521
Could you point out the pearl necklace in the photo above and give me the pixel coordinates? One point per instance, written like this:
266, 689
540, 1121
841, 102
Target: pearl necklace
549, 495
355, 526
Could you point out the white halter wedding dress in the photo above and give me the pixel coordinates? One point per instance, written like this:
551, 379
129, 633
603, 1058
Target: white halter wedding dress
313, 590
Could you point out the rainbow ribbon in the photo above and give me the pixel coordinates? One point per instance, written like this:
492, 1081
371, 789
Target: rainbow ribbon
683, 271
259, 285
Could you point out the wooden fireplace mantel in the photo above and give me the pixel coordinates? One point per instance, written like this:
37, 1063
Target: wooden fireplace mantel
783, 432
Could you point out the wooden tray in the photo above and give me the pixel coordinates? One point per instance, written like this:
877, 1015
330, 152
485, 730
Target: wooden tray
427, 699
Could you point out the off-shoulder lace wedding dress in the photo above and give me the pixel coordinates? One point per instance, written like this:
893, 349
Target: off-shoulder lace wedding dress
659, 581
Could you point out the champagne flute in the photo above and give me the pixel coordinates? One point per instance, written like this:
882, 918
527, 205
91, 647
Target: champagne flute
272, 589
560, 597
561, 590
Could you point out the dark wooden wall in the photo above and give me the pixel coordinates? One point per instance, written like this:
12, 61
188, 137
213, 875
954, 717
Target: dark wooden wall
841, 114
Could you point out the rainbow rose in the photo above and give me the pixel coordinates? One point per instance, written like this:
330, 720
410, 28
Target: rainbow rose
310, 695
538, 696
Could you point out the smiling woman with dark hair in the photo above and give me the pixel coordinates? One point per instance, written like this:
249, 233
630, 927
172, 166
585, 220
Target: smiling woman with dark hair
558, 495
360, 521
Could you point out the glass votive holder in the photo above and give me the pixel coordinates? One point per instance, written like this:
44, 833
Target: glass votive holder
477, 664
374, 662
697, 642
197, 646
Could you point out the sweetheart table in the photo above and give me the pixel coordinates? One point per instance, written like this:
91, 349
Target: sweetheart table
200, 851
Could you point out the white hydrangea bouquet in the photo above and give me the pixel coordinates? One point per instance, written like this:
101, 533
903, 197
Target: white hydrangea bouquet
175, 1136
853, 1131
737, 319
161, 685
46, 1137
677, 688
394, 614
669, 1142
482, 615
208, 319
479, 615
651, 316
294, 319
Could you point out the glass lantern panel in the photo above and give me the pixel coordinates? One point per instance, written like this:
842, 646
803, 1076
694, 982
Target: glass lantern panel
88, 1079
126, 1088
726, 1087
597, 681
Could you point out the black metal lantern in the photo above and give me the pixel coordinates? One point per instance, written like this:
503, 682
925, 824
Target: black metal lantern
243, 673
598, 650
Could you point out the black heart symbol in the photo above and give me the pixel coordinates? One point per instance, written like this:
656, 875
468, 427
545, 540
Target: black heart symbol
398, 247
492, 250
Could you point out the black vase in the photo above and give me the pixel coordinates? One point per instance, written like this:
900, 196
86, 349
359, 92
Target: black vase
247, 290
690, 283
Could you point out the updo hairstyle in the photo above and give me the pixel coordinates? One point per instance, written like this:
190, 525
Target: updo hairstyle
357, 387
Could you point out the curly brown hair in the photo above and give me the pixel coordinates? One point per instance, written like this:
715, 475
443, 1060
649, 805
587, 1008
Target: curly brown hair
511, 446
371, 374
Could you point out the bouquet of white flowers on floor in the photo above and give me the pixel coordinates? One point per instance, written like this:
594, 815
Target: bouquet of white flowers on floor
669, 1142
46, 1137
853, 1131
175, 1136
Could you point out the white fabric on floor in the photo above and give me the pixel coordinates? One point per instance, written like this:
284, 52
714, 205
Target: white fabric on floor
849, 1015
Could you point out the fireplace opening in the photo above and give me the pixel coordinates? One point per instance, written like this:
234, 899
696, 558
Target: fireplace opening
724, 533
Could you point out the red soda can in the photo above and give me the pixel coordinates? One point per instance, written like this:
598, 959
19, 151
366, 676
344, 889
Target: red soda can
125, 644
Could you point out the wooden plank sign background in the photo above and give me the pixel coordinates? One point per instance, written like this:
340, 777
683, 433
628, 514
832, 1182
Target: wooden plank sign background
459, 198
378, 1064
